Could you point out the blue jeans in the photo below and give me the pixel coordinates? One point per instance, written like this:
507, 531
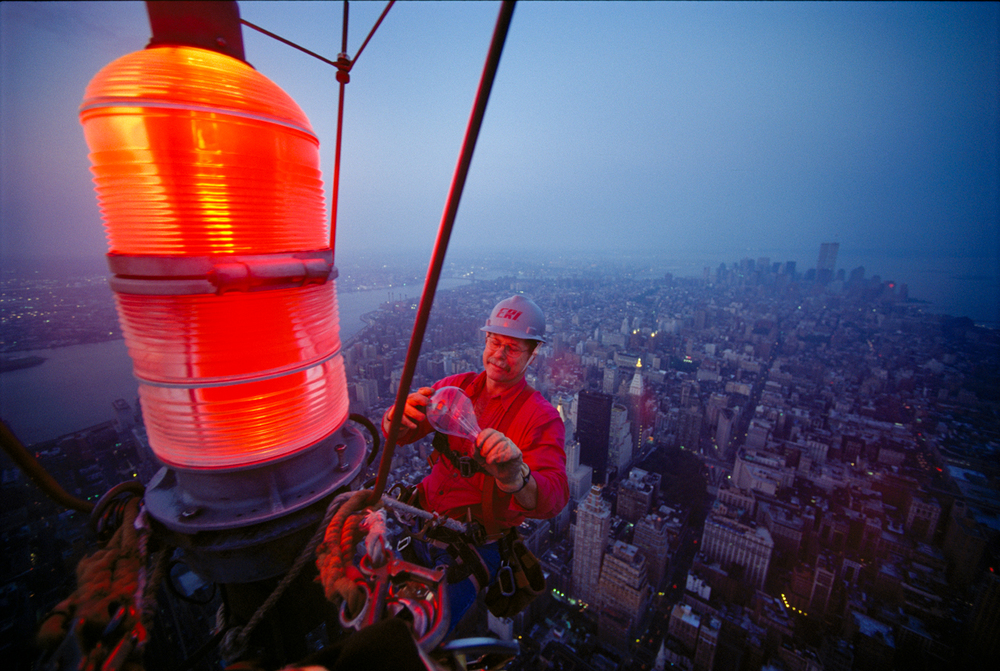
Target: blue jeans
462, 594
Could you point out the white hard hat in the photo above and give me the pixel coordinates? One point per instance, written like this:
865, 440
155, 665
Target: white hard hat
517, 317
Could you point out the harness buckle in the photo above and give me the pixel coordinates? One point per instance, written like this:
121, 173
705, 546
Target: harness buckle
466, 466
477, 532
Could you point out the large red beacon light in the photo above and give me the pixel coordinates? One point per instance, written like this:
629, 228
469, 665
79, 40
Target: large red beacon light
207, 175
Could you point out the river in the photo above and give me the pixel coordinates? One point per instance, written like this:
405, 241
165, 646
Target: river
75, 387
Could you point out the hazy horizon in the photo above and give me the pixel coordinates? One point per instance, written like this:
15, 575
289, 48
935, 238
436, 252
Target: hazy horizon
701, 132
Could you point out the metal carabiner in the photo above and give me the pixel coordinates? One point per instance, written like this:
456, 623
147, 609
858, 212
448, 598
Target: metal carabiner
505, 577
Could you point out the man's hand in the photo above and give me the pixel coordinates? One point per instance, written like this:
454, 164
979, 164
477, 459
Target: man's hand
501, 458
414, 412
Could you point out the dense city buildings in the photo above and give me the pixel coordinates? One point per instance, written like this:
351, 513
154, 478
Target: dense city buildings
769, 469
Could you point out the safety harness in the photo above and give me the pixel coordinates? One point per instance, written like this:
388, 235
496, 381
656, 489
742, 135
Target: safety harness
467, 466
462, 547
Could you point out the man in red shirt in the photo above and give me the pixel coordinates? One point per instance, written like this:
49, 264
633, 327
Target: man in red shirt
520, 451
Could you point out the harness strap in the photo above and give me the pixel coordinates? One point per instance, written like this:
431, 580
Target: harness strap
490, 498
489, 506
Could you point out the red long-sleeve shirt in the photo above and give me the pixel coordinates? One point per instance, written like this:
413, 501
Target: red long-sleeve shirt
539, 433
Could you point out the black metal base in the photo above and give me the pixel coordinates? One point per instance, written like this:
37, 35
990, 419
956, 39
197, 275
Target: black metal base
251, 524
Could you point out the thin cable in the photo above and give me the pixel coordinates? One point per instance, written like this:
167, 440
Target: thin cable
288, 42
343, 41
343, 65
34, 470
365, 43
343, 32
444, 234
235, 640
343, 77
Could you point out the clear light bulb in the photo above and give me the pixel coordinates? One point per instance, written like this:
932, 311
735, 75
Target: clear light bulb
450, 411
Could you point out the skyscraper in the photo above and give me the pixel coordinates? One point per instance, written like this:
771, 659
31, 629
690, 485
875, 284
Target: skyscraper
653, 540
579, 476
593, 523
637, 494
610, 380
689, 431
593, 431
728, 542
620, 441
636, 410
984, 621
623, 594
827, 263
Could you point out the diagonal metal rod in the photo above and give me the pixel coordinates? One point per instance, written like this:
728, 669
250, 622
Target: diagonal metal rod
374, 28
288, 42
446, 522
313, 53
444, 234
344, 65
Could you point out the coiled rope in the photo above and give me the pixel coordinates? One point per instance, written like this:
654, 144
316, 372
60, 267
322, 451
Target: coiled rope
334, 557
109, 614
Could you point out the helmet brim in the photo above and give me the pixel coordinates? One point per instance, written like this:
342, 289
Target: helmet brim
512, 332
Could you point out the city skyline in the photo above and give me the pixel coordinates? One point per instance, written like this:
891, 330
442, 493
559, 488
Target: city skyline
689, 129
50, 317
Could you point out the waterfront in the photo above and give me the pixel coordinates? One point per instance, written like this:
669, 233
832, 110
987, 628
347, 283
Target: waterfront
76, 385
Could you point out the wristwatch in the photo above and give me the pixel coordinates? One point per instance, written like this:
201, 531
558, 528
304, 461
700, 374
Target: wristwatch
525, 475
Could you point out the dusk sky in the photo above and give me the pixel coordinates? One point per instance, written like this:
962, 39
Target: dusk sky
709, 129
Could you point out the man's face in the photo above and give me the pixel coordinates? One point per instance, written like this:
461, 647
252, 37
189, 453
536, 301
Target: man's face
505, 359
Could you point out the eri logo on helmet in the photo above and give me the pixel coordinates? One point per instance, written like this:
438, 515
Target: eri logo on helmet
508, 313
